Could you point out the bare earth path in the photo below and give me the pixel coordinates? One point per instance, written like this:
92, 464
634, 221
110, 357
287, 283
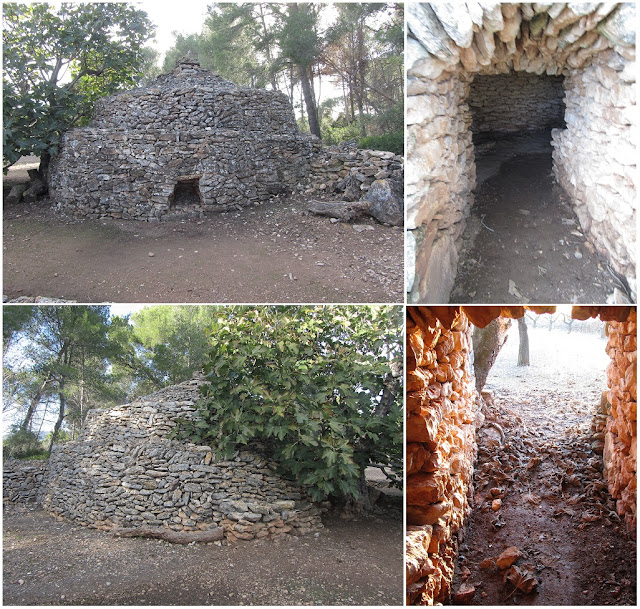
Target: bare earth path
274, 252
51, 562
555, 508
523, 242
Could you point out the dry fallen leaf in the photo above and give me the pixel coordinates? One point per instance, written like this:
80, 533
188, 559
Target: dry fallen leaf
521, 580
531, 498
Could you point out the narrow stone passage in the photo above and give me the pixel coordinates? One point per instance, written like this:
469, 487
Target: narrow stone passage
523, 242
539, 485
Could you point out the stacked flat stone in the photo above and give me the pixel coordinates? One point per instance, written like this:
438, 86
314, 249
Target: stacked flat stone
123, 471
441, 449
22, 480
621, 437
235, 145
516, 102
449, 44
337, 169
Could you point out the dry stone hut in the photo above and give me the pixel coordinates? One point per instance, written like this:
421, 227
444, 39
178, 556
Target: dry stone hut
188, 144
124, 472
524, 66
443, 417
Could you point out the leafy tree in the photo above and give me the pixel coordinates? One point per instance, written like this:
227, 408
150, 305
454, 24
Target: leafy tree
174, 340
22, 444
317, 387
365, 50
14, 319
64, 364
58, 62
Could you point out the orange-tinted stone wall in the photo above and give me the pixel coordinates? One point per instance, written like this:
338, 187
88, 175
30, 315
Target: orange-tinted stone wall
441, 449
620, 447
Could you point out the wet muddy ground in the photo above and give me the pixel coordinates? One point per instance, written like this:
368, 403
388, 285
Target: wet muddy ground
523, 242
555, 508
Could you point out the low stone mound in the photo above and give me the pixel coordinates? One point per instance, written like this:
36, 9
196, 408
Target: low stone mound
125, 472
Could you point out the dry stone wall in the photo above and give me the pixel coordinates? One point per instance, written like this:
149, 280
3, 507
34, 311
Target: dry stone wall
505, 103
448, 46
350, 171
193, 143
441, 450
595, 156
124, 471
226, 145
22, 480
621, 440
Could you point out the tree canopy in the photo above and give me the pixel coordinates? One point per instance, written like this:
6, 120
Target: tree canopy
57, 62
316, 387
61, 361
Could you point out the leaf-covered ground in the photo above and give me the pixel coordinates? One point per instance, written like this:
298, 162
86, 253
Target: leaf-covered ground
554, 508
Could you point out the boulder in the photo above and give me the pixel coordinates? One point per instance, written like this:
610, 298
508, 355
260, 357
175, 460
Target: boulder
387, 201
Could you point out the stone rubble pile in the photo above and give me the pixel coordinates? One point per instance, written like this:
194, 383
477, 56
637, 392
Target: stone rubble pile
448, 46
441, 449
621, 438
347, 169
124, 471
22, 480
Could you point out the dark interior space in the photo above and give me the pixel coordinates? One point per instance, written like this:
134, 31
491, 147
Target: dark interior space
186, 194
513, 114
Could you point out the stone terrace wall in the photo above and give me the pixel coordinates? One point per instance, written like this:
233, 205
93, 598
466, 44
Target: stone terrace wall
621, 441
124, 472
238, 145
441, 449
516, 102
448, 45
22, 480
345, 168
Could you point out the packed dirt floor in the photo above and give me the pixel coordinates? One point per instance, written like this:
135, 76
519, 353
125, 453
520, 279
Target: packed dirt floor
523, 242
555, 509
56, 562
273, 252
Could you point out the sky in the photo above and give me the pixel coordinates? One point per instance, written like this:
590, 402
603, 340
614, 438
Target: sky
185, 17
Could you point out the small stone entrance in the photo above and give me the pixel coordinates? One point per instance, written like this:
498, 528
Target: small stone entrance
186, 193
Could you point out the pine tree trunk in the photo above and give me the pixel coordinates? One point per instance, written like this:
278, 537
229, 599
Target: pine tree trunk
523, 348
309, 101
26, 423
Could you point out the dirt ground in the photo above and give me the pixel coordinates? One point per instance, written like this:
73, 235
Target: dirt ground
273, 252
523, 242
56, 562
555, 508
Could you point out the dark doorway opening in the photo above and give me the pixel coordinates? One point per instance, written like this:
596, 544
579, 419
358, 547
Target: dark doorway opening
186, 193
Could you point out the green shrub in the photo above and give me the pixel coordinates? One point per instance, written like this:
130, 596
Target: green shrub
334, 134
392, 142
22, 444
